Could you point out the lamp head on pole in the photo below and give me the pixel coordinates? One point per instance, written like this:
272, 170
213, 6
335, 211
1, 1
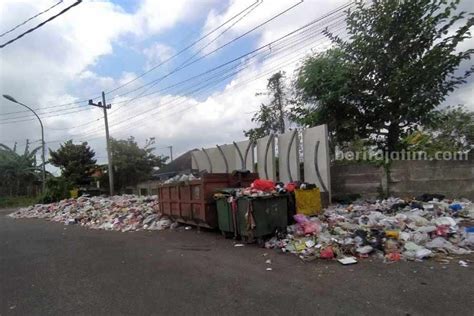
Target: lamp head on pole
10, 98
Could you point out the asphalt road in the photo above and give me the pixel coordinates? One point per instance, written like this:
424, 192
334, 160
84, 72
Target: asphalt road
51, 269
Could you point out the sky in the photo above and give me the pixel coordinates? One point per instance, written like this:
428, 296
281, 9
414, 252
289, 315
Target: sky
185, 72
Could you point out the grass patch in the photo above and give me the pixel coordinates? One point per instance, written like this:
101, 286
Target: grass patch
17, 201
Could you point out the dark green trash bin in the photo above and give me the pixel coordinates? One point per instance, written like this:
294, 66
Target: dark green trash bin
269, 213
225, 215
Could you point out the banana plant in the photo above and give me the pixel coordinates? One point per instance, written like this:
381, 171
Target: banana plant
18, 171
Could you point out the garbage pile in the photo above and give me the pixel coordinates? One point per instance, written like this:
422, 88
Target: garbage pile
120, 213
392, 229
181, 178
262, 187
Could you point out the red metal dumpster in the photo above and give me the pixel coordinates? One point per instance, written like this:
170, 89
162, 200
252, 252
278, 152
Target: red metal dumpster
192, 202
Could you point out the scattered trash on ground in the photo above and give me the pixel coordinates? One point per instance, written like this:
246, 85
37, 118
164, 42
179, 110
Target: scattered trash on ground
238, 245
347, 260
463, 263
391, 229
121, 213
174, 225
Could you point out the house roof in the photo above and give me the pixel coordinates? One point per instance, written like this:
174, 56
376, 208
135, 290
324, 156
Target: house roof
181, 164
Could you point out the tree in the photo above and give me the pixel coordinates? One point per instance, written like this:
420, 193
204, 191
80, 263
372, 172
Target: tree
133, 164
18, 172
322, 87
271, 117
450, 129
75, 161
401, 62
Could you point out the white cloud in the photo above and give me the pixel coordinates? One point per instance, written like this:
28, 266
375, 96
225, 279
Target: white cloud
45, 61
157, 16
156, 54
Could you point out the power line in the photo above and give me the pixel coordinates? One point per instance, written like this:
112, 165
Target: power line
41, 113
154, 82
75, 126
182, 50
177, 84
129, 118
271, 44
85, 100
33, 17
19, 142
76, 103
220, 34
241, 84
219, 79
251, 7
6, 121
41, 24
48, 107
235, 86
182, 66
188, 108
248, 54
240, 57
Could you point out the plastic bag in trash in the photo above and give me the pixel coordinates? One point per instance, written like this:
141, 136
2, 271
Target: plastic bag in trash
468, 238
441, 243
300, 218
445, 221
365, 250
455, 207
326, 253
310, 228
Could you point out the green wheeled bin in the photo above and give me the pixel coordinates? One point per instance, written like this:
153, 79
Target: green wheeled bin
259, 217
226, 213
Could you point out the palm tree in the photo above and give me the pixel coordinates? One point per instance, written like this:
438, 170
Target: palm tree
18, 172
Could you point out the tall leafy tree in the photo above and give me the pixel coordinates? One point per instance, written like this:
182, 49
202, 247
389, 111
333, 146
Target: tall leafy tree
271, 117
322, 89
133, 163
400, 63
76, 161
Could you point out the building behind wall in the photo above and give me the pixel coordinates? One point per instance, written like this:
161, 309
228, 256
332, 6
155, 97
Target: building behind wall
181, 165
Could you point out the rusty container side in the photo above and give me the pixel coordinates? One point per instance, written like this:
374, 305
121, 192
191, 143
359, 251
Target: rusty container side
192, 202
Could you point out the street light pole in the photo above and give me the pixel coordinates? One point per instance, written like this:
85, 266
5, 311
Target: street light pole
12, 99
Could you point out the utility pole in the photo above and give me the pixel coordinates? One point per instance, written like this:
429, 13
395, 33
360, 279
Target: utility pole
104, 106
171, 152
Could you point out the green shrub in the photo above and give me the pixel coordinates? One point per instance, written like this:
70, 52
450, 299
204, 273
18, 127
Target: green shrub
57, 189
